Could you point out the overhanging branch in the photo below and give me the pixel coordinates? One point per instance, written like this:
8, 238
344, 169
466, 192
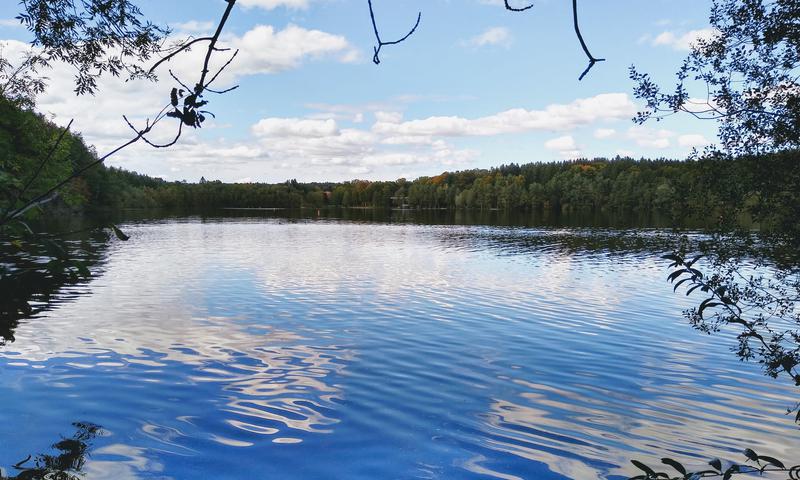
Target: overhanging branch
517, 9
376, 57
190, 114
592, 58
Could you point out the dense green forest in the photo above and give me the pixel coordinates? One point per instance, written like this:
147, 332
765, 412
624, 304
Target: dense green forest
670, 187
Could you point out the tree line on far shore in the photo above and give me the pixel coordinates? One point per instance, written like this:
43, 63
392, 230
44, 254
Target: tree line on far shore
675, 188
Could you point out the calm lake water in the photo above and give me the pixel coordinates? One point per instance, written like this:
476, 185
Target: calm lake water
254, 347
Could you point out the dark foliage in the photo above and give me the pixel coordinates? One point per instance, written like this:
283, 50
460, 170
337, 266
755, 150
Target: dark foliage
679, 190
67, 464
746, 74
21, 83
94, 36
755, 465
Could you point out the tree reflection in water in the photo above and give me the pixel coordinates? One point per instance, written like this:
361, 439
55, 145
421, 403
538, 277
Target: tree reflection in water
67, 464
34, 274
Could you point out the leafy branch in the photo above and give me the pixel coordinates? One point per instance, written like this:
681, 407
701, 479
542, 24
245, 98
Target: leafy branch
719, 469
748, 302
94, 36
746, 73
190, 114
57, 263
22, 83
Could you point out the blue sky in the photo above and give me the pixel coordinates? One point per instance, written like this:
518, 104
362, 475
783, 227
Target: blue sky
476, 86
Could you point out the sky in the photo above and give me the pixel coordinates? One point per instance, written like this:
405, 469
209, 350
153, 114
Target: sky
476, 86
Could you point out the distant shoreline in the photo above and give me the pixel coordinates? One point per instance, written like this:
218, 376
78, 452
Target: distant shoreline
255, 208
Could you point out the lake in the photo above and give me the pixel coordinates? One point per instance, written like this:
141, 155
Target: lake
249, 345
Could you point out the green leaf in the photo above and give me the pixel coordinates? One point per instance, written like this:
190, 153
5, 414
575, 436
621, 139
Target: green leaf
729, 473
679, 284
750, 454
54, 249
120, 234
694, 260
772, 461
641, 466
753, 334
82, 269
738, 321
55, 266
677, 273
707, 303
674, 464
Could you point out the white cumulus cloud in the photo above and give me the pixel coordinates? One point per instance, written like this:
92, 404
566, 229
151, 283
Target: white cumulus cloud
565, 146
266, 50
650, 138
685, 40
601, 133
263, 50
493, 36
557, 117
295, 127
273, 4
693, 141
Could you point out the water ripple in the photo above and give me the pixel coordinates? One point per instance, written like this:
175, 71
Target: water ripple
328, 349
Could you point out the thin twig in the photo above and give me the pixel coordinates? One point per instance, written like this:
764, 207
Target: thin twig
39, 168
592, 59
221, 69
46, 196
220, 92
214, 39
190, 114
376, 58
32, 204
517, 9
176, 51
174, 77
198, 90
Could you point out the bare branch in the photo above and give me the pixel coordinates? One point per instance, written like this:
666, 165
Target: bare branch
220, 92
376, 58
180, 48
190, 115
213, 44
517, 9
221, 69
46, 196
592, 59
174, 77
147, 129
33, 204
38, 169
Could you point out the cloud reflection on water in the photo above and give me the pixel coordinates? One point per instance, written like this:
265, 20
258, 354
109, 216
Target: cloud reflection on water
300, 349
